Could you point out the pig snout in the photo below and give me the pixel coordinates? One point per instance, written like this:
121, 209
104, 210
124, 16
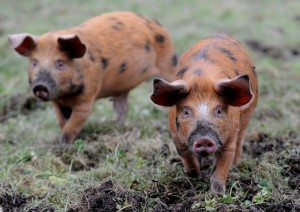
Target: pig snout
41, 91
204, 146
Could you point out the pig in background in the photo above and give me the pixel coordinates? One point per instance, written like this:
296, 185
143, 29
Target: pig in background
106, 56
211, 103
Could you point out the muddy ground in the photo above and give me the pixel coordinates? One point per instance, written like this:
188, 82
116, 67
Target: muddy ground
273, 158
181, 195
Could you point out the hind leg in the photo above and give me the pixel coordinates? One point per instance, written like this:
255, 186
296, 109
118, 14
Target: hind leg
239, 147
120, 105
245, 119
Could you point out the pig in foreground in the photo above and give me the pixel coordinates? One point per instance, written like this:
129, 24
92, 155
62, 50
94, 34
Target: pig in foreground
106, 56
211, 103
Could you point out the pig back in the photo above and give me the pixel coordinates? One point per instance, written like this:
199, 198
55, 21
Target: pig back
220, 57
129, 49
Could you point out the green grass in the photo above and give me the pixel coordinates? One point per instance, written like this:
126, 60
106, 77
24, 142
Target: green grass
133, 155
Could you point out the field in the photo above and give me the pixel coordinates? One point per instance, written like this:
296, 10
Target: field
135, 167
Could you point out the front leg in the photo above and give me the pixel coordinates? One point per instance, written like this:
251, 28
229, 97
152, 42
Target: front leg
189, 160
219, 176
74, 124
63, 113
191, 165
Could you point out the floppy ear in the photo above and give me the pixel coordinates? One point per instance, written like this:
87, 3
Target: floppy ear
167, 94
236, 92
71, 45
23, 43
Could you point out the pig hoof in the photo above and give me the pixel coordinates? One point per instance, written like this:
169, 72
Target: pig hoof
66, 139
216, 186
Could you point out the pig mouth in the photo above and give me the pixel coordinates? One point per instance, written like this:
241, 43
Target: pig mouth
204, 140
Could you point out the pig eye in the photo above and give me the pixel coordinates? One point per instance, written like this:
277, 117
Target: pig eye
219, 111
34, 63
186, 113
60, 65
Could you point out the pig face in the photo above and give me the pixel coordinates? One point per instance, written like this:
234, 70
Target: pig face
53, 72
205, 109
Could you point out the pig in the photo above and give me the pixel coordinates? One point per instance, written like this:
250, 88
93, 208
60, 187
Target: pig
210, 105
106, 56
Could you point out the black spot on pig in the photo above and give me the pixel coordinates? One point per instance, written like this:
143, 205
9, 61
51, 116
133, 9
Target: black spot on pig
228, 53
181, 72
159, 38
147, 47
104, 62
118, 26
174, 60
202, 55
122, 67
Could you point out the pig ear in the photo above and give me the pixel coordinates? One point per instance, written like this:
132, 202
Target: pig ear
23, 43
236, 92
72, 45
167, 94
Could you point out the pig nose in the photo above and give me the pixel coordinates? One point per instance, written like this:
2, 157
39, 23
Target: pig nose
205, 146
41, 91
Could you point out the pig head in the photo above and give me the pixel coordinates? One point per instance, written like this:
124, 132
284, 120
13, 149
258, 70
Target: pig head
208, 112
55, 76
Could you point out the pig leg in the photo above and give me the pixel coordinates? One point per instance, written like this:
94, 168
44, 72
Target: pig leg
191, 165
63, 114
190, 161
245, 119
239, 147
74, 124
120, 104
219, 176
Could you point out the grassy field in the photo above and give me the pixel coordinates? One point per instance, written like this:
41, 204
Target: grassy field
135, 167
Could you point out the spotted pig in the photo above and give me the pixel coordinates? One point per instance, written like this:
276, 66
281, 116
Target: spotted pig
106, 56
211, 103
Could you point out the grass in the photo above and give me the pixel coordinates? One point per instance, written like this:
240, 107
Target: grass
136, 157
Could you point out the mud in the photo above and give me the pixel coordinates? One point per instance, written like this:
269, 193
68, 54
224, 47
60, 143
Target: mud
174, 191
182, 194
284, 149
108, 197
11, 201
